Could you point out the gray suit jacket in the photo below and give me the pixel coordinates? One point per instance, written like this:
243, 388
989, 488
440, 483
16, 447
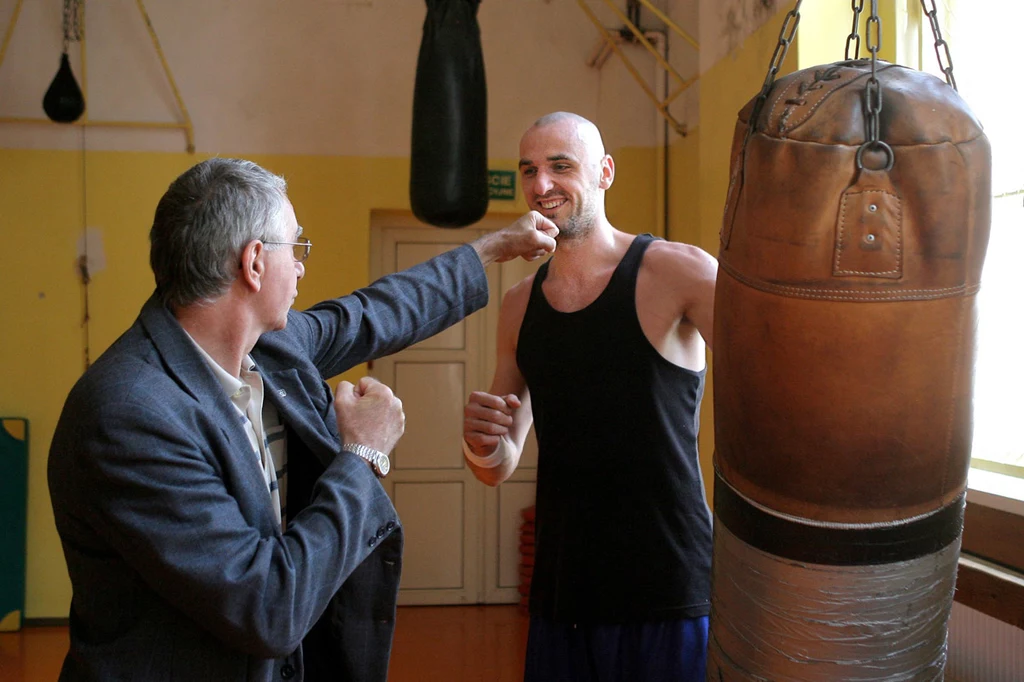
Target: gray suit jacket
178, 568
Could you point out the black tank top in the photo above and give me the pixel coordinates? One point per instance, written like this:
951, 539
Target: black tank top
623, 527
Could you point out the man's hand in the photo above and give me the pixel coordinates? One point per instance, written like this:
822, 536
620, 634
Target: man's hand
487, 419
369, 414
530, 237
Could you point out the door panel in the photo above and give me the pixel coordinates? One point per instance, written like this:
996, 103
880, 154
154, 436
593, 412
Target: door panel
433, 424
461, 536
434, 543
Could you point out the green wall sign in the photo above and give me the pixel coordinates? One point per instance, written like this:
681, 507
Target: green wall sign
501, 184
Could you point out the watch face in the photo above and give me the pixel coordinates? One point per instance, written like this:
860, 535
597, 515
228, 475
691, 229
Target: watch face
384, 464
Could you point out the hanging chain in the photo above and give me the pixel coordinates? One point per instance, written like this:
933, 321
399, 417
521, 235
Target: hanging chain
941, 46
72, 22
873, 92
854, 37
786, 35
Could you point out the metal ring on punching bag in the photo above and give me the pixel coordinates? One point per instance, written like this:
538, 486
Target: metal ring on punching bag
879, 144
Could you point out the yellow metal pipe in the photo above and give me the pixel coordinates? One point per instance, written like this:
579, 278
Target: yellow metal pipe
94, 124
643, 39
671, 24
170, 78
682, 88
10, 30
663, 108
611, 43
593, 18
636, 74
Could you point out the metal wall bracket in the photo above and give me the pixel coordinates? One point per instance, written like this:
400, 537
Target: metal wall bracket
612, 39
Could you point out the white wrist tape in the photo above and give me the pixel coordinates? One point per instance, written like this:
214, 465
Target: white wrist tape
504, 450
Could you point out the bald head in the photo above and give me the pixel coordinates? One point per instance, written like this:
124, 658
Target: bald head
565, 172
576, 128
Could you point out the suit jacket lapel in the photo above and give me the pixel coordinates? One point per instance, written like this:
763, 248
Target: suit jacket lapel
188, 368
287, 392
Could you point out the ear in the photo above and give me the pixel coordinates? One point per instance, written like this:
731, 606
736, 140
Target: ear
607, 172
253, 265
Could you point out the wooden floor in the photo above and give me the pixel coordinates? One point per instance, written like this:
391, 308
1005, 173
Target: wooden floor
459, 644
450, 643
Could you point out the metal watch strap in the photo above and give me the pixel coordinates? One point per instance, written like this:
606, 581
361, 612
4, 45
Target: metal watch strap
377, 459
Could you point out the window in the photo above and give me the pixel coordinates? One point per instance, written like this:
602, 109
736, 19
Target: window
984, 38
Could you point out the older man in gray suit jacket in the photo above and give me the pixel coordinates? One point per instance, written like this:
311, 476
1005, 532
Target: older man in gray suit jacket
189, 557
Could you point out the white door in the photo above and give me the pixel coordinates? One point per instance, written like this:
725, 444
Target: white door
461, 537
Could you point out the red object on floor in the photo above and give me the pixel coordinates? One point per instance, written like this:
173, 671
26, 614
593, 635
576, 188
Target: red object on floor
527, 532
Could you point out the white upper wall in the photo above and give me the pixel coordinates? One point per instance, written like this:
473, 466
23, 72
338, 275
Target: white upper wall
311, 76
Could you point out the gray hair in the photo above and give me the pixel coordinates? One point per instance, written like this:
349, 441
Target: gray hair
203, 222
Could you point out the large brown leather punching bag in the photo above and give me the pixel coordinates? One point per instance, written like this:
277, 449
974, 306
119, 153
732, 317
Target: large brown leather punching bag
844, 345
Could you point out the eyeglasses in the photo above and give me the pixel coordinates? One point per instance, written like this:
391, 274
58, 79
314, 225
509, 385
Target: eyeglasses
300, 249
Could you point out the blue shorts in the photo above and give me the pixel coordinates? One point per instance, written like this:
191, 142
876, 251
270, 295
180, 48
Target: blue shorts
662, 651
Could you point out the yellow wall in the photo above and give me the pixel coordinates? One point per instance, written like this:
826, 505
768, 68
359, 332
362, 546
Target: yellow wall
42, 347
41, 342
684, 193
632, 202
824, 28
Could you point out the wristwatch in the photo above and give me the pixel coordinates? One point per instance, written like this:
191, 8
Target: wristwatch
377, 459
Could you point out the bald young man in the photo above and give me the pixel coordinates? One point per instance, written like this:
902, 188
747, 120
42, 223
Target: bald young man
605, 349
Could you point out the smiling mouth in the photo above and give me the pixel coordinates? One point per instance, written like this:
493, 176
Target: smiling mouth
549, 204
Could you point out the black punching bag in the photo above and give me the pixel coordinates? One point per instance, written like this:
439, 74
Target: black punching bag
63, 101
448, 176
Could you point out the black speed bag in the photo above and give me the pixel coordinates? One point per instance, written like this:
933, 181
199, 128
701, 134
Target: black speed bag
63, 101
